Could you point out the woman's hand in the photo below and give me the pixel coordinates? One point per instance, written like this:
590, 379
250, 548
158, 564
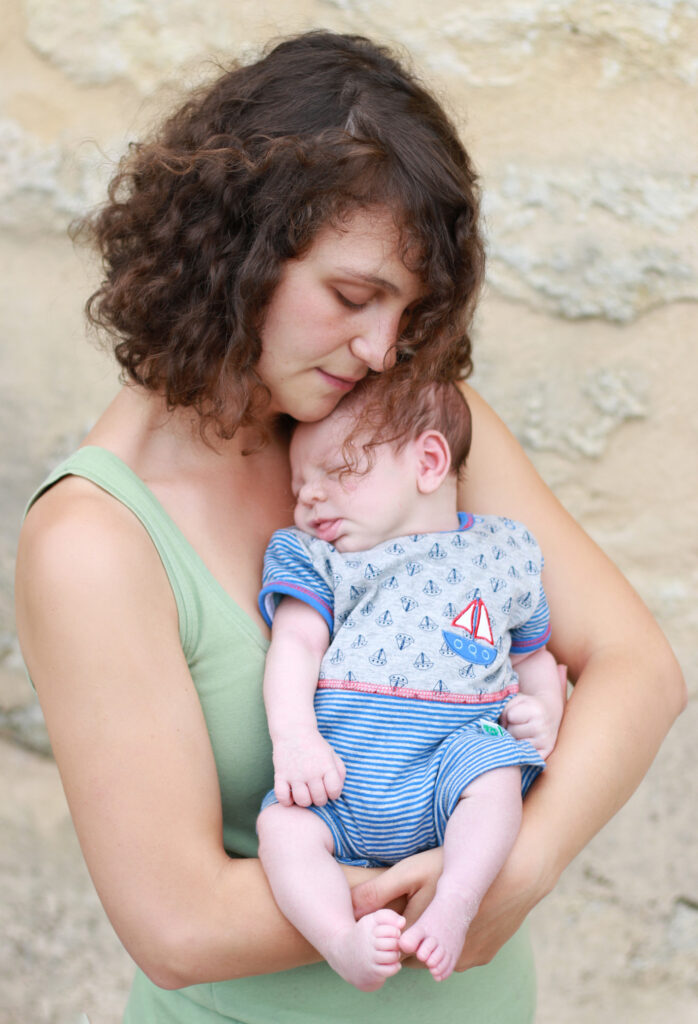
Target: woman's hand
513, 894
409, 885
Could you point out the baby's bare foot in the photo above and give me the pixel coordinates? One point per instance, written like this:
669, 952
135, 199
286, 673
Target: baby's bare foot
436, 938
367, 952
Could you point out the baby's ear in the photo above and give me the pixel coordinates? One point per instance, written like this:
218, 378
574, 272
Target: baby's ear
433, 461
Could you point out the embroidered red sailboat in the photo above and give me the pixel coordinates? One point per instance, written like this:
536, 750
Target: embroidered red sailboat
475, 643
475, 620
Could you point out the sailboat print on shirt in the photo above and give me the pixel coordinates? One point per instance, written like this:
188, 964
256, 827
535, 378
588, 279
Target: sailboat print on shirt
474, 641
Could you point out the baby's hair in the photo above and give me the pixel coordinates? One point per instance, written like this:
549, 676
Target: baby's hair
395, 409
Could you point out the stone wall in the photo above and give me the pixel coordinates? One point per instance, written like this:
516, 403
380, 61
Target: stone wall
582, 118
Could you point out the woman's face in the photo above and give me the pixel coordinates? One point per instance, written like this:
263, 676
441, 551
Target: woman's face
337, 313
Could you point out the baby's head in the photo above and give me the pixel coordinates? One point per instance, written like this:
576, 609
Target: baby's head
384, 464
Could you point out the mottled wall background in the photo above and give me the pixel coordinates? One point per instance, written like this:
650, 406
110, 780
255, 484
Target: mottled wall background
582, 118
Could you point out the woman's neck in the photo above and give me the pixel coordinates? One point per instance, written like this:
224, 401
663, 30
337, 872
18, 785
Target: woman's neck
156, 442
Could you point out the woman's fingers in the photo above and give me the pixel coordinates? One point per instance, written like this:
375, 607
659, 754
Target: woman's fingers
413, 878
377, 892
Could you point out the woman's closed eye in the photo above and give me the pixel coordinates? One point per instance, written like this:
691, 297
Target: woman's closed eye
348, 303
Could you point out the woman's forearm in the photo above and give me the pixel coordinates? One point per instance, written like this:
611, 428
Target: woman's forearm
231, 929
620, 711
629, 688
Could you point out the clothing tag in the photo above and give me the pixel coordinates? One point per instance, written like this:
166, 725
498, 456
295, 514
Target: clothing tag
492, 729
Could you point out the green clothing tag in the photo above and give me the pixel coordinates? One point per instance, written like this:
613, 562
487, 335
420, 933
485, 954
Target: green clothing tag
492, 729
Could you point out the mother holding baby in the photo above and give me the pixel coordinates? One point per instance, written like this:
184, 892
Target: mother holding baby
298, 224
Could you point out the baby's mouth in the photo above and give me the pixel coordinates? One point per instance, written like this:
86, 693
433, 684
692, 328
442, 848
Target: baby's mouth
326, 529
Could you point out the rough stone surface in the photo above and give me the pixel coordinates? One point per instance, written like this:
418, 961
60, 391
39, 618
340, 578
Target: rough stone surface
147, 41
504, 43
580, 116
44, 186
58, 954
609, 243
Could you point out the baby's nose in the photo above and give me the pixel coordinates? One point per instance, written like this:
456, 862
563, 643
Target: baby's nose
310, 492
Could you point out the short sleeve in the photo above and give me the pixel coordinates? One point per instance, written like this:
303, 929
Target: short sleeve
289, 569
535, 632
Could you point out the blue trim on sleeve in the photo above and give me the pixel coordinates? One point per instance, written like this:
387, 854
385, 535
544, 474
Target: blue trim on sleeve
533, 644
271, 594
534, 633
289, 569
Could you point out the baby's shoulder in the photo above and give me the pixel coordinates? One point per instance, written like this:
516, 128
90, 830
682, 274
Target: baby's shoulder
503, 533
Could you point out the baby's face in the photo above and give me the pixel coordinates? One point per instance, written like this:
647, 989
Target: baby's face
351, 510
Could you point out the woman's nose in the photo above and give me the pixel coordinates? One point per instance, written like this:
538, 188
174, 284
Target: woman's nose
375, 344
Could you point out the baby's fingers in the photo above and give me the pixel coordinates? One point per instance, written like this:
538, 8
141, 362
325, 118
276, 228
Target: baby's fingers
517, 711
282, 792
301, 794
318, 791
524, 731
334, 783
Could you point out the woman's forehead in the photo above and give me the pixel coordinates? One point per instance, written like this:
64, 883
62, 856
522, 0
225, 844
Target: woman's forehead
368, 244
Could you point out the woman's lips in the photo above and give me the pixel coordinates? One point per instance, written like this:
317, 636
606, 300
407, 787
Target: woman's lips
341, 383
326, 529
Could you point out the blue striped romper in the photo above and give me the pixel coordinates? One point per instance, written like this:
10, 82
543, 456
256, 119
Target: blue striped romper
417, 671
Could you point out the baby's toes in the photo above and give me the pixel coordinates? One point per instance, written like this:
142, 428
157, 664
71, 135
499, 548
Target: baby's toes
387, 922
433, 961
426, 948
443, 968
410, 940
387, 956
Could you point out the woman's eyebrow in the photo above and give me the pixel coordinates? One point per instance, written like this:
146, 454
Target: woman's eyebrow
380, 282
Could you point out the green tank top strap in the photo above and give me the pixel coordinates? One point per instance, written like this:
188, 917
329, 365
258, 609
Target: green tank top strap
193, 586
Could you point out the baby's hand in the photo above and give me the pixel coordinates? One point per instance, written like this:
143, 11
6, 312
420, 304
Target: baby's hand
307, 771
527, 718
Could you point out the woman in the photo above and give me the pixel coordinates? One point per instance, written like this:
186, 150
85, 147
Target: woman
296, 225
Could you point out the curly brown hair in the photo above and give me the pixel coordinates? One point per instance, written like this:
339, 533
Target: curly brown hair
201, 218
396, 408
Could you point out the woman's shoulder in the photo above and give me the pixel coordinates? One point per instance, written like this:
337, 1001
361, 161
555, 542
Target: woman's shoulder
76, 535
83, 565
74, 513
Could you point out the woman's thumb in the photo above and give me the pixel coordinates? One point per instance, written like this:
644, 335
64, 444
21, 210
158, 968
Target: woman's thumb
383, 890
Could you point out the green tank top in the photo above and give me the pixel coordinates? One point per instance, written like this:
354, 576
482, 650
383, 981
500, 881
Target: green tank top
225, 652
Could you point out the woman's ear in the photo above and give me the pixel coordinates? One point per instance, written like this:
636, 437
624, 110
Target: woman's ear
433, 461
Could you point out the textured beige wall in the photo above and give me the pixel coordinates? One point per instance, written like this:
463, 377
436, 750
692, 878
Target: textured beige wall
582, 118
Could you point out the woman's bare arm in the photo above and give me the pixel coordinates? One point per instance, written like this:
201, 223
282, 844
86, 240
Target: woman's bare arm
629, 687
616, 654
628, 691
99, 631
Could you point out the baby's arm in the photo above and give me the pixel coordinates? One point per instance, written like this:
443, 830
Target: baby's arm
306, 768
536, 712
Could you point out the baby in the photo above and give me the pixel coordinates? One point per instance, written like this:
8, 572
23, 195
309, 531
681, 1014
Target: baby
396, 624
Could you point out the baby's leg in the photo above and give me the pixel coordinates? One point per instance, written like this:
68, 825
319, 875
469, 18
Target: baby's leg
479, 835
296, 850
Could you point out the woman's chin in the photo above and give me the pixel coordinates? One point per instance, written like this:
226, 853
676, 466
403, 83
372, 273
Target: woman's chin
312, 412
